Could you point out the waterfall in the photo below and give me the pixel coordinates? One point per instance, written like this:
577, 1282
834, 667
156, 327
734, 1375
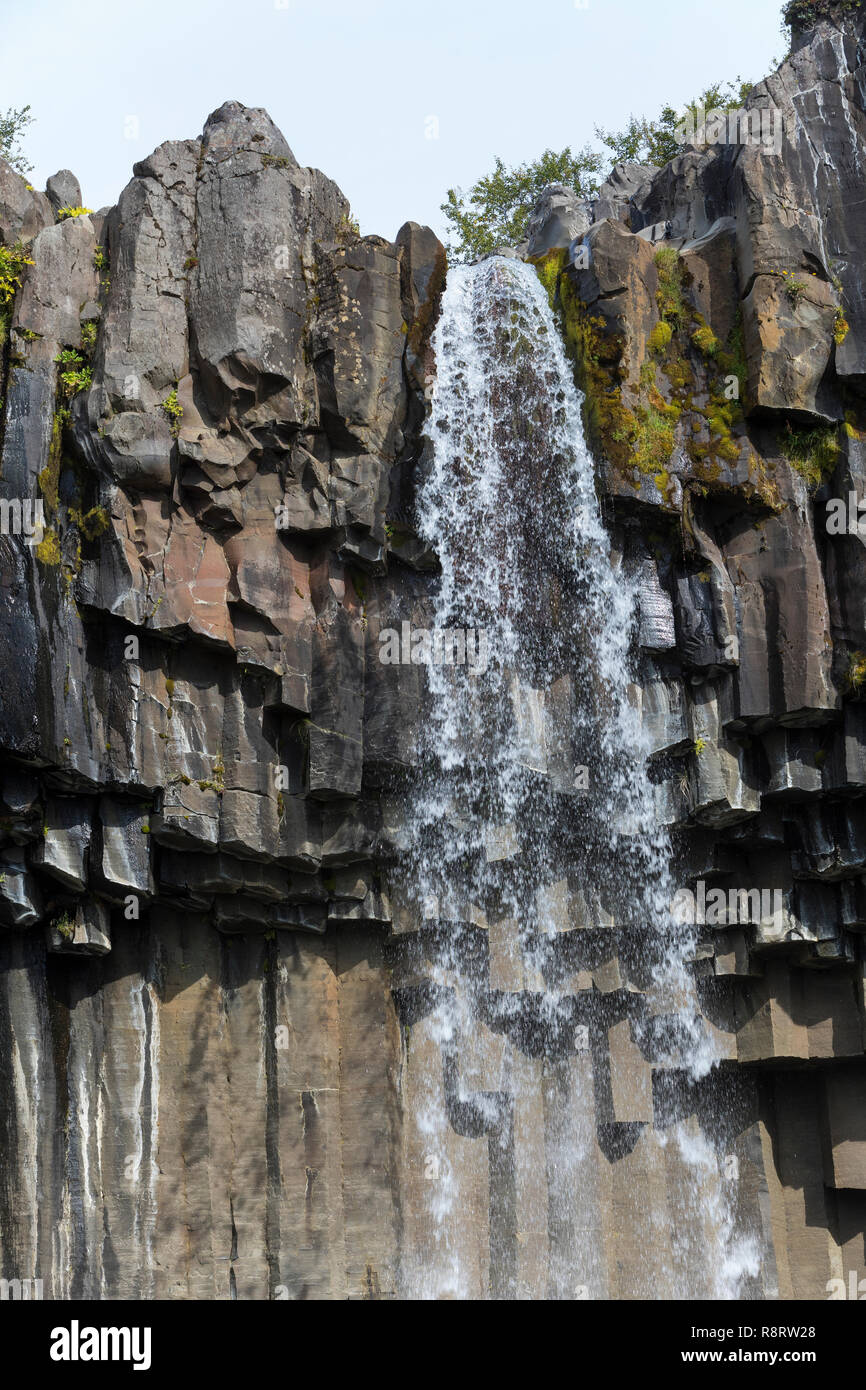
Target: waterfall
538, 863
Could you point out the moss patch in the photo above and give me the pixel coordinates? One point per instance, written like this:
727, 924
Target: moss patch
704, 339
91, 524
669, 295
659, 339
841, 328
48, 549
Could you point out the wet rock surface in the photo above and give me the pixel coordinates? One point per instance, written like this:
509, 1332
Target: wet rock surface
214, 1000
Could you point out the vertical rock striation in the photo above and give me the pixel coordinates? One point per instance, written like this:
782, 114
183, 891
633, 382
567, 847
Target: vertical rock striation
216, 988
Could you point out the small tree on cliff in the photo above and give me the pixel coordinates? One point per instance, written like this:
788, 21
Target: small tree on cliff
12, 126
496, 209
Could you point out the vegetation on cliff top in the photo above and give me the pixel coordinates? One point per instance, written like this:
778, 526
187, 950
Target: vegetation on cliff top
805, 14
496, 209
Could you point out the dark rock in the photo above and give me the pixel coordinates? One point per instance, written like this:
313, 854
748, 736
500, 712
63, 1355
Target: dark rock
63, 190
559, 217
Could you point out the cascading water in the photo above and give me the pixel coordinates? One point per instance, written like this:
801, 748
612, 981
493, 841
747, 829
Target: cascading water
535, 843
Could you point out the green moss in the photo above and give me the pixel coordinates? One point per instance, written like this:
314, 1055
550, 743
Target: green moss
49, 478
662, 480
669, 295
653, 440
660, 338
276, 161
548, 268
644, 437
705, 340
841, 328
596, 355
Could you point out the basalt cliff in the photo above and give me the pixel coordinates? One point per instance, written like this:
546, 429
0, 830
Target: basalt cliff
222, 1059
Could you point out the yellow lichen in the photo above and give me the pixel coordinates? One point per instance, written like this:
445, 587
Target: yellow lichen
48, 549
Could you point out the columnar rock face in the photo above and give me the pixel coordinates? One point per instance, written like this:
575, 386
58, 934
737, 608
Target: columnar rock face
214, 392
215, 990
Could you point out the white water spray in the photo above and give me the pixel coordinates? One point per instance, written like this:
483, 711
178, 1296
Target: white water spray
535, 820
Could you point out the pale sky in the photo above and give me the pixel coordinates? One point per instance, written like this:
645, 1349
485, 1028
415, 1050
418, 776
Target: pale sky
359, 87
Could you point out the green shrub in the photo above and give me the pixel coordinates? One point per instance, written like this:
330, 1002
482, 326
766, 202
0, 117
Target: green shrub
856, 675
812, 452
13, 259
76, 375
65, 925
794, 289
348, 230
89, 331
174, 410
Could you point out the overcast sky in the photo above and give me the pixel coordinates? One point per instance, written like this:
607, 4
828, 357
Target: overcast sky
395, 99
